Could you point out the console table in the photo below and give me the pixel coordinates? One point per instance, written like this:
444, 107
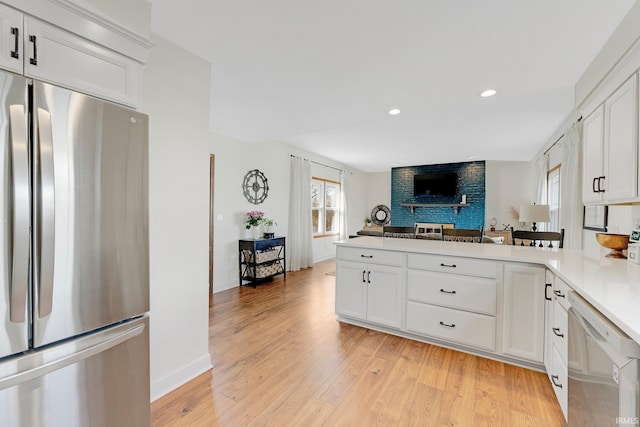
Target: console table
261, 259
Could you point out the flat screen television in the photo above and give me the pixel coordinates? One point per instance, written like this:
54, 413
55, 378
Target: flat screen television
443, 184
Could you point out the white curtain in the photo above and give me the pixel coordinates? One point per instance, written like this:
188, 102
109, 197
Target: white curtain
344, 205
542, 169
300, 238
571, 210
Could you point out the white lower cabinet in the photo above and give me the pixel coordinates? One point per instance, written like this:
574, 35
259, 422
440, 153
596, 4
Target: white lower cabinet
452, 299
556, 336
369, 292
548, 319
523, 311
478, 305
453, 325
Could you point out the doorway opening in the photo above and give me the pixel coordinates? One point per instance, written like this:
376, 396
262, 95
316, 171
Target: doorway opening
212, 164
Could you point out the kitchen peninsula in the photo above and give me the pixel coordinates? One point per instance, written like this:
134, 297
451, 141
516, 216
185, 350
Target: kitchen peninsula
610, 285
495, 301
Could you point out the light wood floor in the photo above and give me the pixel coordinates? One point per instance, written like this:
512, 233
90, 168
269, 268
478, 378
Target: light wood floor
280, 358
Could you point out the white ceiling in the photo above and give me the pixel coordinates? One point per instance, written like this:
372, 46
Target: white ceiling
322, 74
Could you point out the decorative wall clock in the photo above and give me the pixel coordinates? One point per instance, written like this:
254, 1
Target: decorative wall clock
381, 215
255, 186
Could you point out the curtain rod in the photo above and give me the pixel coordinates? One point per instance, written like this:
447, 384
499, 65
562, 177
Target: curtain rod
559, 138
320, 164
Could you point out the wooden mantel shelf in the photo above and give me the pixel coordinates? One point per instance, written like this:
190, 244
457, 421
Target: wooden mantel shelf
413, 206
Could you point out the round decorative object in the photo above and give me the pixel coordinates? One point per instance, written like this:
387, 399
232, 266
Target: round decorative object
255, 187
381, 215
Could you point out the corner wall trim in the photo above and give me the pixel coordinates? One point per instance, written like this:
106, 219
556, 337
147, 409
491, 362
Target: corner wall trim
180, 377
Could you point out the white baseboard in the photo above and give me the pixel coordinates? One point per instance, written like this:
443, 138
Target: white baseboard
179, 377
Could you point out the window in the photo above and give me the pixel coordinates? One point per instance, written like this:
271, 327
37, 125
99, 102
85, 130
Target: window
325, 207
553, 198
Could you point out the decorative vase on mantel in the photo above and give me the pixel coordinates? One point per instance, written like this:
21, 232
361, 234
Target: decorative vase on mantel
255, 232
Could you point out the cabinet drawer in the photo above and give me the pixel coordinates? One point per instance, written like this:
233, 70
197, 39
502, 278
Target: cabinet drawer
560, 328
450, 264
370, 256
452, 290
463, 327
561, 292
559, 377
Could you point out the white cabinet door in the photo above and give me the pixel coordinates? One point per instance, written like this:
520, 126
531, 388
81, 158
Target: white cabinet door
384, 296
11, 41
548, 319
351, 289
621, 143
62, 58
369, 292
523, 323
592, 142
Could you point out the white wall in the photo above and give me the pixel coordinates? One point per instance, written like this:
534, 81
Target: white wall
508, 185
176, 97
378, 193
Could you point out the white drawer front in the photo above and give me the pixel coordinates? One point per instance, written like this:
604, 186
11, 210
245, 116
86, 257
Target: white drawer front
559, 377
451, 264
451, 290
370, 256
452, 325
561, 292
560, 328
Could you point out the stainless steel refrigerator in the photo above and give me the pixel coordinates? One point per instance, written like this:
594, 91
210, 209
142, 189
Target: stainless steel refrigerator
74, 275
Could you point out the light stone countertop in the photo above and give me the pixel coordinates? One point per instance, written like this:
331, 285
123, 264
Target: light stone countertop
611, 285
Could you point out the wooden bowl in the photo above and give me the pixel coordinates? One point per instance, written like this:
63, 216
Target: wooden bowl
616, 242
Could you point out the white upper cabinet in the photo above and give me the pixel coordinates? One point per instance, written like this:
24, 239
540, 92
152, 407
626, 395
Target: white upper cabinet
109, 67
62, 58
610, 141
592, 143
11, 42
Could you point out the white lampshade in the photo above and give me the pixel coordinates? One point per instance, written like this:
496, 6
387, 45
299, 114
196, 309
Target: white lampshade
534, 213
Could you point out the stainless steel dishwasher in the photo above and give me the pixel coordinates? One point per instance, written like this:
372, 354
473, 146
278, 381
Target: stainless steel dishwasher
603, 370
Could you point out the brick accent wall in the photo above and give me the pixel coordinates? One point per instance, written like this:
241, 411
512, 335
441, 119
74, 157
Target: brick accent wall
471, 181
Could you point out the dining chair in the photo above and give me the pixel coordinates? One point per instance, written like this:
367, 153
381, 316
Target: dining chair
399, 232
472, 235
534, 237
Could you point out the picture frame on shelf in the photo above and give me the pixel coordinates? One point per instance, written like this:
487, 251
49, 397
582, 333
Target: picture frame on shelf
595, 218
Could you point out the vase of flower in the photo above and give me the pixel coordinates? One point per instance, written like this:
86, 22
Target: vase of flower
253, 221
269, 228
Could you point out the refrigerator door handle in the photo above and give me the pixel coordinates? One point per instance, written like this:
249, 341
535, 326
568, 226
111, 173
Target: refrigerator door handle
104, 343
46, 235
20, 214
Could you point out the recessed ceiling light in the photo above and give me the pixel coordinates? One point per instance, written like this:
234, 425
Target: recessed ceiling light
471, 157
394, 112
487, 93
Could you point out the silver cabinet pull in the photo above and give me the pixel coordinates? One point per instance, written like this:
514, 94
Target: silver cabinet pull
20, 213
15, 53
34, 59
46, 191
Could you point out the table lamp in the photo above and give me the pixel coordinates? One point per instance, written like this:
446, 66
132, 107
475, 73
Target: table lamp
533, 214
